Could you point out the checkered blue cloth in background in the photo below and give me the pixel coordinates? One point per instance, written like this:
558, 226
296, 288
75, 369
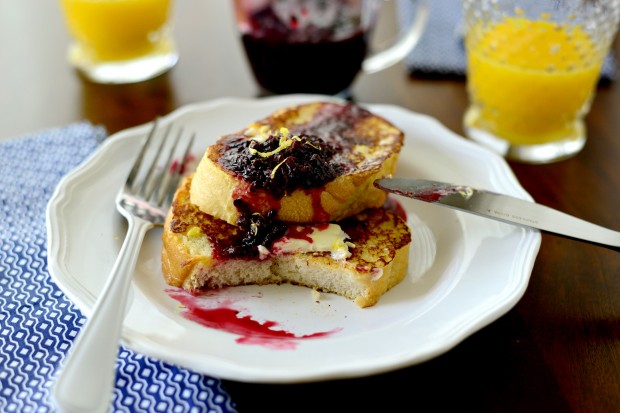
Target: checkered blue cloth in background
441, 48
38, 323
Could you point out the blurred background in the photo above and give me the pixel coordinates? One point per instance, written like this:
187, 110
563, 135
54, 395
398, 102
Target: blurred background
210, 52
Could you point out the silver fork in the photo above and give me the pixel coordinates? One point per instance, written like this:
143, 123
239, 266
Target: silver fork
86, 380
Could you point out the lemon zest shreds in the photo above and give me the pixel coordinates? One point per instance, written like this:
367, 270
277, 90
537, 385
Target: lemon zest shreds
273, 171
254, 224
194, 232
284, 143
318, 148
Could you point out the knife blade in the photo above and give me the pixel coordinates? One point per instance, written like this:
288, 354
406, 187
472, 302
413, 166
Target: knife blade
500, 207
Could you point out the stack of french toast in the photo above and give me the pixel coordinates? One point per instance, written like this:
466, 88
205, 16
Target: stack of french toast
290, 199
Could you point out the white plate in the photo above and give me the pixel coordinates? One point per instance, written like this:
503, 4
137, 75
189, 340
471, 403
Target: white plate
465, 271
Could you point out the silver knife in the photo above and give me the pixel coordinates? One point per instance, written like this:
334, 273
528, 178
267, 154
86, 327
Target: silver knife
501, 207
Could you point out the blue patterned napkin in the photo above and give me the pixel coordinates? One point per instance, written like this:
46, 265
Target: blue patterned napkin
441, 48
38, 323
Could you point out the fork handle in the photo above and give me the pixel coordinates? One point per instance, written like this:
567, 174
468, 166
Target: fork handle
86, 381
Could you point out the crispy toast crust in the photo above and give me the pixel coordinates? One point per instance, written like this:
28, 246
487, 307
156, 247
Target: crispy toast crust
368, 148
190, 257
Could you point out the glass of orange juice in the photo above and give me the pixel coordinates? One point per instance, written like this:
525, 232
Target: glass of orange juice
532, 71
120, 41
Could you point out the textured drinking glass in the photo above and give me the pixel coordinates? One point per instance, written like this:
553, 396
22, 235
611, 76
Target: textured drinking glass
120, 41
533, 66
317, 46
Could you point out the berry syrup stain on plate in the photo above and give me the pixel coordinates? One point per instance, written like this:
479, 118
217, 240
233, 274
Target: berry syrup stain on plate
225, 318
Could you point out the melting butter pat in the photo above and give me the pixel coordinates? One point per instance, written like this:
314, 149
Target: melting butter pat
330, 239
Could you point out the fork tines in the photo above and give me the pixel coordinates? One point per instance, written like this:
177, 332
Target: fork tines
160, 175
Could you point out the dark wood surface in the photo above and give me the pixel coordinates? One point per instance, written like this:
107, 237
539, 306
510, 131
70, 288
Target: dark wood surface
557, 350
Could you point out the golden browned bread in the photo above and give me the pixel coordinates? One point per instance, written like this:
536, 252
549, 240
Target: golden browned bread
312, 163
203, 252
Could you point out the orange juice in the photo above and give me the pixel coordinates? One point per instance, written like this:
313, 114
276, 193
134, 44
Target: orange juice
117, 29
530, 81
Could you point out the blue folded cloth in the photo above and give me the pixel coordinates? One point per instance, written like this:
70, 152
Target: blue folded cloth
441, 48
38, 323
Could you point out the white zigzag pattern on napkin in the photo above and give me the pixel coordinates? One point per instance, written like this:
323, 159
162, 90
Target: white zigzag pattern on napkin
38, 324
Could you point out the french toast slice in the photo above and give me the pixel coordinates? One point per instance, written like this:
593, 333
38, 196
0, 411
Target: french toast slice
312, 163
203, 252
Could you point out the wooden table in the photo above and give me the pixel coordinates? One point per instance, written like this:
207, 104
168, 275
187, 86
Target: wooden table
557, 350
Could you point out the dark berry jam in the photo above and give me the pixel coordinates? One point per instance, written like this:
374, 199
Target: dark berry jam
288, 58
281, 164
230, 241
255, 230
